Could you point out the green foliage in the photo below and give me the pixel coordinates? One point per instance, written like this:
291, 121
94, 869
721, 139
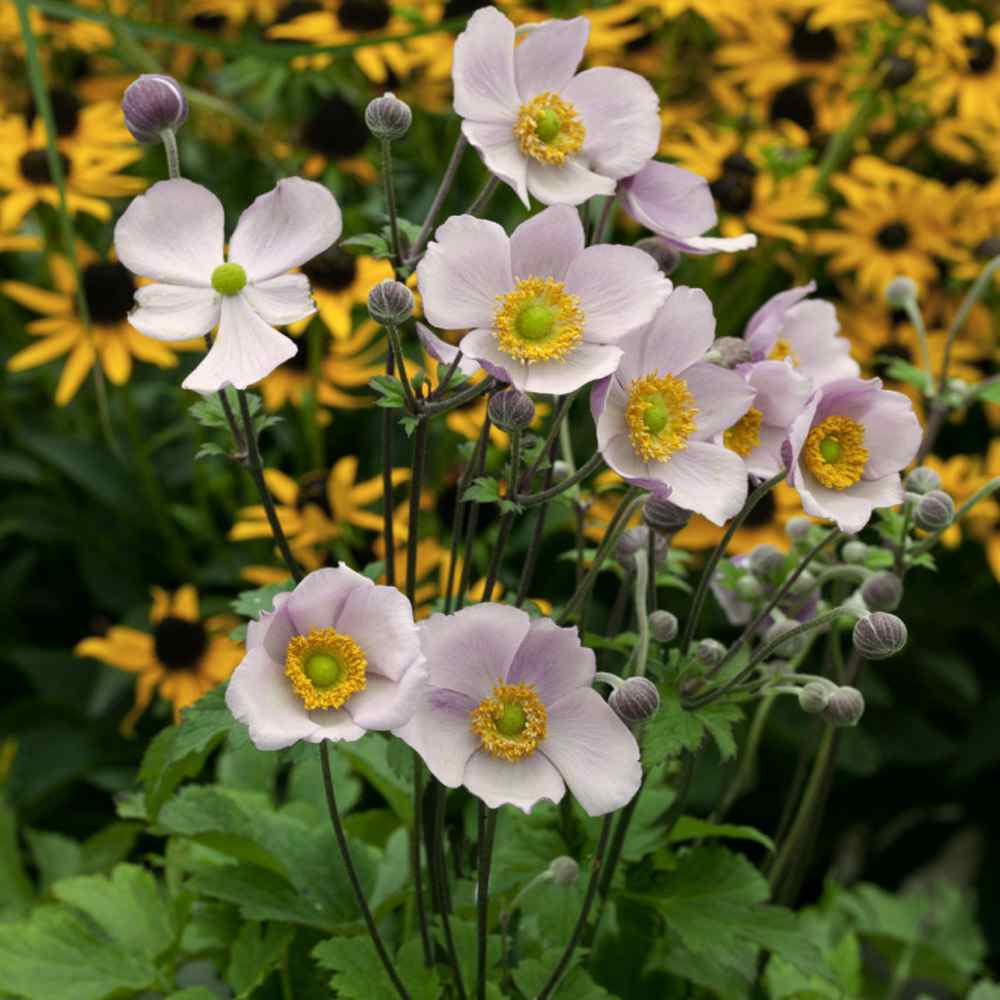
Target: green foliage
256, 952
673, 729
390, 391
484, 489
358, 973
253, 603
533, 973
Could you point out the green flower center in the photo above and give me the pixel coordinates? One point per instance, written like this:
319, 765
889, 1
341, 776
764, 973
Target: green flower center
547, 125
323, 669
829, 448
512, 720
535, 322
657, 414
228, 279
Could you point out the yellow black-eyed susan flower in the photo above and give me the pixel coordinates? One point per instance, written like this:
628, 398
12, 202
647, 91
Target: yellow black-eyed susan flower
181, 658
968, 49
961, 476
108, 288
95, 124
231, 11
340, 281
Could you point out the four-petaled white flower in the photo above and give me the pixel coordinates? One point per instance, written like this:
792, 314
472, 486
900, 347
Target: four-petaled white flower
174, 234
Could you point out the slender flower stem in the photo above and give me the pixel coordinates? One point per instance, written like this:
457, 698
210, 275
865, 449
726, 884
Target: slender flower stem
507, 520
974, 294
554, 431
256, 467
581, 922
412, 404
352, 875
630, 501
461, 506
912, 310
442, 192
390, 202
483, 198
531, 556
601, 225
416, 836
698, 601
443, 903
416, 489
595, 462
639, 597
448, 375
981, 494
460, 398
487, 830
840, 144
169, 140
388, 422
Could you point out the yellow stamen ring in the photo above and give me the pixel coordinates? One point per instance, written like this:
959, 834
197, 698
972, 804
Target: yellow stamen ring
835, 452
325, 668
549, 129
783, 349
744, 435
511, 722
660, 416
538, 321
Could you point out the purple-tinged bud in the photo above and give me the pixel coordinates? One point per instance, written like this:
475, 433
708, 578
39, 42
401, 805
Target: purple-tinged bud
898, 71
911, 8
845, 707
709, 652
988, 249
390, 303
153, 103
879, 635
900, 291
766, 561
663, 625
664, 517
935, 511
564, 870
791, 646
922, 480
854, 552
813, 697
728, 352
882, 592
387, 117
798, 528
749, 588
635, 541
635, 700
511, 410
666, 257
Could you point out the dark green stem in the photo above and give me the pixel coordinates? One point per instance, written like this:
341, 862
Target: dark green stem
487, 830
416, 835
388, 424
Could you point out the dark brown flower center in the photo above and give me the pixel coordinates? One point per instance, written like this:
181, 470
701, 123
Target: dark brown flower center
179, 644
893, 236
334, 270
364, 15
813, 46
763, 513
982, 54
734, 188
108, 289
899, 71
211, 24
295, 9
65, 111
794, 104
989, 248
312, 490
462, 8
34, 166
336, 129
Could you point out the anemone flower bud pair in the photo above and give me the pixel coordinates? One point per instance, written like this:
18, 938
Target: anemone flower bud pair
174, 234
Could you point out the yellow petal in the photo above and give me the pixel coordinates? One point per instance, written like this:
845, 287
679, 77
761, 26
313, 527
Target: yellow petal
38, 354
115, 359
75, 371
38, 299
284, 488
185, 603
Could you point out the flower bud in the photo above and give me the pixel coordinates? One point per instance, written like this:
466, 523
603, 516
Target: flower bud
879, 635
766, 561
561, 470
635, 542
804, 584
798, 528
813, 697
511, 410
390, 303
900, 291
153, 103
854, 552
749, 588
791, 646
988, 248
845, 707
635, 700
387, 117
709, 652
728, 352
663, 516
564, 870
911, 8
935, 511
663, 625
922, 480
898, 71
666, 257
882, 592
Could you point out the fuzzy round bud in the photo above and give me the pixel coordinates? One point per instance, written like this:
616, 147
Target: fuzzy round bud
854, 552
153, 103
390, 303
935, 511
798, 528
728, 352
387, 117
900, 291
882, 592
988, 248
922, 480
898, 71
911, 8
709, 652
634, 543
564, 870
766, 560
666, 257
511, 410
804, 584
635, 701
813, 697
663, 516
845, 707
749, 588
879, 635
561, 470
663, 625
791, 646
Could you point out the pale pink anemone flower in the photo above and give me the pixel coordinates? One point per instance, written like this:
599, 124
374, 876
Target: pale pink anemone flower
544, 312
540, 126
338, 657
510, 713
658, 414
803, 330
757, 437
678, 206
846, 449
174, 234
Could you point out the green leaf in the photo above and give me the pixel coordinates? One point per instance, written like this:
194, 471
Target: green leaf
390, 391
256, 953
16, 891
985, 991
484, 489
692, 828
360, 975
370, 244
533, 973
208, 410
210, 450
57, 956
842, 955
194, 993
674, 729
253, 603
56, 856
509, 507
371, 759
988, 392
903, 371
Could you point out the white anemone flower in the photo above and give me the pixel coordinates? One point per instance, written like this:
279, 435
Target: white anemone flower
175, 233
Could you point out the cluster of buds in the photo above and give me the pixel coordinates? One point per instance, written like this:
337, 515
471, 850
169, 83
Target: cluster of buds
838, 704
